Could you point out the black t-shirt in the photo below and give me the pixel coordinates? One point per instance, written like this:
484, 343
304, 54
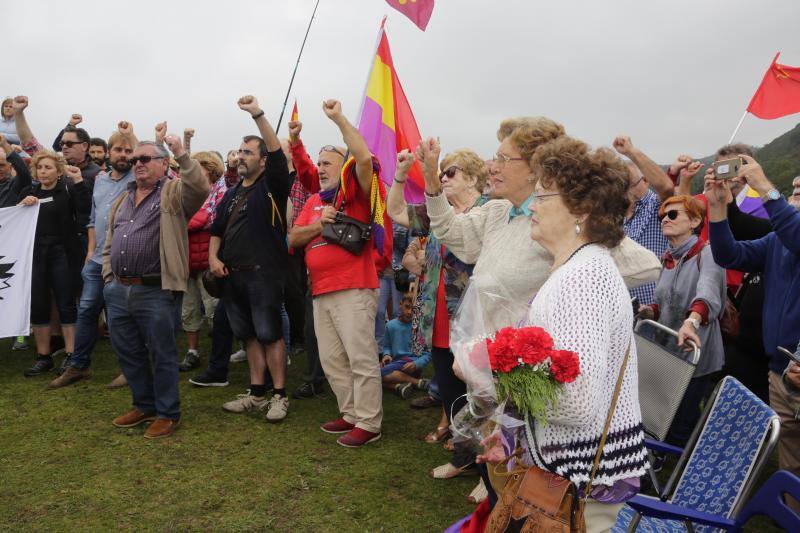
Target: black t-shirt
54, 212
239, 244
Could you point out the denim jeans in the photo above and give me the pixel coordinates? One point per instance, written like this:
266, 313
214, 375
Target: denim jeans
89, 308
387, 290
142, 322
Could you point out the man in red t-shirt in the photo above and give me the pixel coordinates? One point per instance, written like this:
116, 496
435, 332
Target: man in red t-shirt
344, 287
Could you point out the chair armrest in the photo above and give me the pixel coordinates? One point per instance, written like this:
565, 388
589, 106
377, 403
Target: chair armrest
663, 447
668, 511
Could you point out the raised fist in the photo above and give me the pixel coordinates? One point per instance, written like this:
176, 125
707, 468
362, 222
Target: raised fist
174, 144
332, 109
75, 119
249, 103
623, 145
428, 154
188, 132
690, 170
404, 161
295, 127
73, 173
20, 103
125, 127
161, 131
681, 162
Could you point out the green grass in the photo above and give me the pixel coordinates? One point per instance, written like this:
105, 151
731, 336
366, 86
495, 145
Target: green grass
64, 467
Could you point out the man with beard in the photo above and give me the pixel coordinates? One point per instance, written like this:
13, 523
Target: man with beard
248, 249
98, 151
108, 187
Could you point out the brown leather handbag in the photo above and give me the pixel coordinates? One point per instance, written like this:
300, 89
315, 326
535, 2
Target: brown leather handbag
535, 500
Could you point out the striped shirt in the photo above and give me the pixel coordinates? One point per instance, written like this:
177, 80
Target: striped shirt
644, 227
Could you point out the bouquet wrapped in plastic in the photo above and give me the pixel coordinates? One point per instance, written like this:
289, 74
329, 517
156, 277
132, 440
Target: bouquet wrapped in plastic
511, 373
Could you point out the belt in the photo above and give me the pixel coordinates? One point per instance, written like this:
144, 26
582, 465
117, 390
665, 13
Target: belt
149, 281
244, 268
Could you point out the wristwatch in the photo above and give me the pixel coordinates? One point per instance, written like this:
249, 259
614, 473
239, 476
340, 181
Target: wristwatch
694, 322
772, 194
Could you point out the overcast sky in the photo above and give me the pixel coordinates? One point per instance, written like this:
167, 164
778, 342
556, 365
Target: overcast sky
674, 75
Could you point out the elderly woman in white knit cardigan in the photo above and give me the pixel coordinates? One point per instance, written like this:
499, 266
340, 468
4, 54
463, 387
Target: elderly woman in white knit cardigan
577, 212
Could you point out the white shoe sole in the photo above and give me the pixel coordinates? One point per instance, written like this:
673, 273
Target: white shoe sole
373, 439
214, 384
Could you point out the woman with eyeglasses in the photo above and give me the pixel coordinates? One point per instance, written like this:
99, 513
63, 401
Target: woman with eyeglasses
58, 257
689, 298
463, 176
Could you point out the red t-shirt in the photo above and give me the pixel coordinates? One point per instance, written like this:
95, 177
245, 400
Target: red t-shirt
331, 267
440, 337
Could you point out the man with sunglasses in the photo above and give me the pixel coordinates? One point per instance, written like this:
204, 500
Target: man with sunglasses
649, 186
145, 268
108, 187
248, 250
344, 285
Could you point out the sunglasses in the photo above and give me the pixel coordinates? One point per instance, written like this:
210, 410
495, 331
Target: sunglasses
450, 172
143, 159
70, 144
331, 148
672, 214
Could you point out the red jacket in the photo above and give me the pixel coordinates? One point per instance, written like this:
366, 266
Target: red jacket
198, 242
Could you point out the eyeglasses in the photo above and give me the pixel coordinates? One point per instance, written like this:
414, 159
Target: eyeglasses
70, 144
143, 159
539, 198
331, 148
450, 172
672, 214
502, 159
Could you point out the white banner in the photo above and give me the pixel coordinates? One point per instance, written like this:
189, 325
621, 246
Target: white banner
17, 231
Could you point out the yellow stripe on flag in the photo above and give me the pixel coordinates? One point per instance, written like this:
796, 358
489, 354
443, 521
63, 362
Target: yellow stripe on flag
379, 89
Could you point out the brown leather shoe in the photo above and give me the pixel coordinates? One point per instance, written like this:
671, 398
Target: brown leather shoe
134, 417
162, 427
71, 375
118, 382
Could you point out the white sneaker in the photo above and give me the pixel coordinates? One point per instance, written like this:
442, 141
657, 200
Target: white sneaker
245, 402
278, 408
238, 357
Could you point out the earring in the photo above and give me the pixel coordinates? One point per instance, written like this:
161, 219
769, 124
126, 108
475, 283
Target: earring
577, 227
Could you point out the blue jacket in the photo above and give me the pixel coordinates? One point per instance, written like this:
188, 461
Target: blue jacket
397, 343
777, 256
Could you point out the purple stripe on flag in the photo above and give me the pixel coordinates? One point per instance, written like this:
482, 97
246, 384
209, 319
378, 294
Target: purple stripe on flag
382, 142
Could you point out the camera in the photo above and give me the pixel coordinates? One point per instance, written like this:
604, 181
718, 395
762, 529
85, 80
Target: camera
727, 169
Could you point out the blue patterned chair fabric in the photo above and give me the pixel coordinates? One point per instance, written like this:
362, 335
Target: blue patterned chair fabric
720, 463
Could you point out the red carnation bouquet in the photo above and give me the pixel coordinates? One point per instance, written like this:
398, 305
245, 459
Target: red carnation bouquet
528, 370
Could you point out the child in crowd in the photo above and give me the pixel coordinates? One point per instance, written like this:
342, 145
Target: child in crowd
400, 370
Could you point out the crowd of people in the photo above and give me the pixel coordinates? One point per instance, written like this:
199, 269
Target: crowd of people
288, 257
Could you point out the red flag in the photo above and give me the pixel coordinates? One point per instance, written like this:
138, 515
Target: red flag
295, 116
779, 92
418, 11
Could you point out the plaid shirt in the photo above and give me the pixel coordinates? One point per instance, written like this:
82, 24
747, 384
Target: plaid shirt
644, 227
299, 196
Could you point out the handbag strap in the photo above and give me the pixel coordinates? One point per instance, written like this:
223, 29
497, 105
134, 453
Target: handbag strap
607, 425
344, 202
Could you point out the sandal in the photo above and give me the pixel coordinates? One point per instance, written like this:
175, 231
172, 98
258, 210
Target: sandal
447, 471
479, 493
437, 435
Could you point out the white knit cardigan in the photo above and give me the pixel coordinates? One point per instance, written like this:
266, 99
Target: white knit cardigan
586, 309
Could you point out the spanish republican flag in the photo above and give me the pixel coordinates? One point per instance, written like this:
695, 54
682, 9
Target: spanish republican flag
386, 120
418, 11
295, 116
779, 92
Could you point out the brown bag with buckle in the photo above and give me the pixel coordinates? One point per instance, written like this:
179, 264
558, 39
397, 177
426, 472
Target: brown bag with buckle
534, 500
346, 231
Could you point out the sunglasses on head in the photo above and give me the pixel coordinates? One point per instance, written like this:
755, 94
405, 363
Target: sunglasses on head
70, 144
331, 148
449, 172
672, 214
143, 159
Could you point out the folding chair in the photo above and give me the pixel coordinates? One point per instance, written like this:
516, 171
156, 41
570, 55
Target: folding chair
725, 454
768, 501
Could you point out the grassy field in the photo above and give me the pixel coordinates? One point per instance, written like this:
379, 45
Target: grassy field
64, 467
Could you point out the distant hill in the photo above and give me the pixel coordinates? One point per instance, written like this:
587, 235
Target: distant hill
780, 159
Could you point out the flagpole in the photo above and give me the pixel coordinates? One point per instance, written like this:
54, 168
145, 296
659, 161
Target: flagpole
369, 70
739, 125
297, 64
